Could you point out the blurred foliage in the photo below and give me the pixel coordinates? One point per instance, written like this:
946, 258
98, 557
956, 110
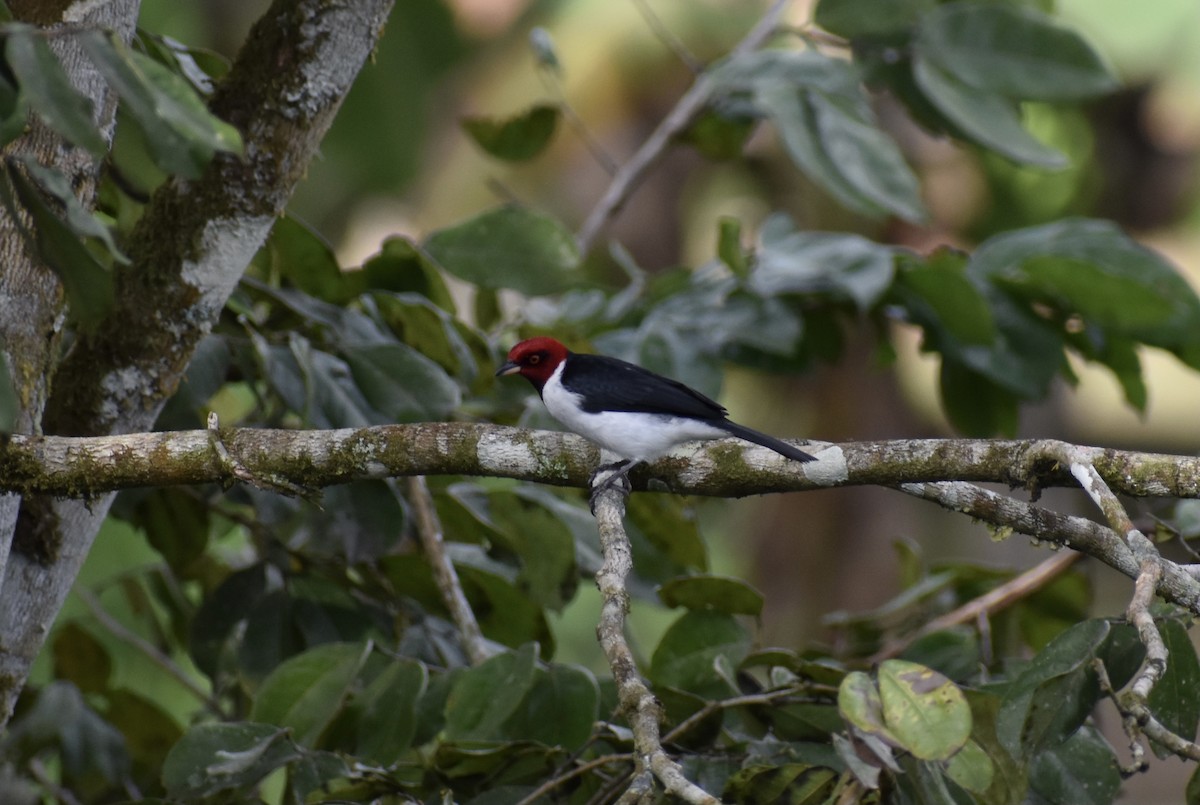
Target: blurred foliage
325, 663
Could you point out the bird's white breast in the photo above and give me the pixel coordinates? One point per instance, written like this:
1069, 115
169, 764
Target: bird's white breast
630, 435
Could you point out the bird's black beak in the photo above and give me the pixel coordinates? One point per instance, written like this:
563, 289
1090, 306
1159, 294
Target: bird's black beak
509, 368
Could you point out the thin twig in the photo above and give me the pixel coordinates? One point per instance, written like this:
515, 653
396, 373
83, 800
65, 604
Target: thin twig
631, 174
987, 604
429, 529
667, 37
577, 771
130, 638
637, 702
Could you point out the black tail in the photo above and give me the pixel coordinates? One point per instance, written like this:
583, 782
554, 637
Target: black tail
781, 447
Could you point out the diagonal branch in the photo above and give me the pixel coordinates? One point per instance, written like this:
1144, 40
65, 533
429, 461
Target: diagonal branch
690, 104
634, 697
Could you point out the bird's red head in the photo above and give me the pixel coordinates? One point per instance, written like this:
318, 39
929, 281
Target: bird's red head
534, 359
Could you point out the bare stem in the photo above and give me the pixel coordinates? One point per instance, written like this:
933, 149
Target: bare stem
637, 702
429, 529
989, 603
631, 174
148, 649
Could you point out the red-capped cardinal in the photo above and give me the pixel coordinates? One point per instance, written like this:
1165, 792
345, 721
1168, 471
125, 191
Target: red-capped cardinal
628, 410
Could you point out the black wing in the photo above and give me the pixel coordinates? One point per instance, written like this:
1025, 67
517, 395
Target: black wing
611, 384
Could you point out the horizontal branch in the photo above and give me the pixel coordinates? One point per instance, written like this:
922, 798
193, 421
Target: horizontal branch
311, 459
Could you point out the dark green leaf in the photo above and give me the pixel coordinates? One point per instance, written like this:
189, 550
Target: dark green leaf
88, 284
991, 120
791, 783
791, 261
561, 708
506, 614
719, 135
387, 711
718, 593
1008, 785
1012, 50
1175, 700
401, 383
486, 696
1081, 771
308, 690
176, 524
974, 405
12, 112
924, 711
211, 758
941, 298
83, 223
509, 247
81, 659
403, 268
307, 261
180, 131
45, 86
1053, 695
221, 611
870, 18
729, 246
88, 744
685, 656
517, 138
10, 403
148, 730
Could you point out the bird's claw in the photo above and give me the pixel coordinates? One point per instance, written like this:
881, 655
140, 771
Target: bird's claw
609, 476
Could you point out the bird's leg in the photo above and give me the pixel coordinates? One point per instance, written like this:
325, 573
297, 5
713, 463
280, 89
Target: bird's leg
608, 476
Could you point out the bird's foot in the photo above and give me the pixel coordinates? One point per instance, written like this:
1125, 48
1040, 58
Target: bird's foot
610, 476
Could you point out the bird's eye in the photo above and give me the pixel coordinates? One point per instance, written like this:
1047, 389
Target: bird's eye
534, 360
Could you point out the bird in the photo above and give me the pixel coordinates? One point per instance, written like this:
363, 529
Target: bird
624, 408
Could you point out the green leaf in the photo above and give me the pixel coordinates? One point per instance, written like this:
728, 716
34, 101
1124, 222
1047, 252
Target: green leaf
88, 285
486, 696
10, 402
990, 120
518, 138
791, 261
1175, 700
1012, 50
181, 133
860, 704
509, 247
1009, 779
307, 260
942, 299
1053, 695
88, 745
842, 152
387, 711
719, 134
506, 614
926, 712
791, 783
853, 19
403, 268
176, 525
212, 758
401, 383
46, 88
1081, 771
81, 659
717, 593
972, 768
1093, 269
560, 710
308, 690
827, 127
685, 656
974, 405
83, 223
226, 606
